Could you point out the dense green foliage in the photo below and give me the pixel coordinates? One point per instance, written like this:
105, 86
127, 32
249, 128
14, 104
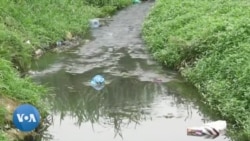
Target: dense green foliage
209, 42
42, 23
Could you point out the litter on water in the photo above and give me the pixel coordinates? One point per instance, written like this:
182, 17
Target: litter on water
97, 82
136, 1
94, 23
212, 129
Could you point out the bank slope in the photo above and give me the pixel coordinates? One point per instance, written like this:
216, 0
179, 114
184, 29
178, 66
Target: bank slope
209, 43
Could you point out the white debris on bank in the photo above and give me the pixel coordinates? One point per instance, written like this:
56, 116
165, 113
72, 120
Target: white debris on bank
38, 52
215, 128
27, 42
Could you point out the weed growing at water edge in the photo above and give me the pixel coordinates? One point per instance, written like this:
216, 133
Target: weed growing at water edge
15, 87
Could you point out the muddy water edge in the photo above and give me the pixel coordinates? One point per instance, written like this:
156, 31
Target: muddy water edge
141, 101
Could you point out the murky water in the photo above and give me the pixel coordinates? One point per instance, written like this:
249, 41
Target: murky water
141, 102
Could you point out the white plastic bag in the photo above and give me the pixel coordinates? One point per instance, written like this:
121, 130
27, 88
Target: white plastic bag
215, 128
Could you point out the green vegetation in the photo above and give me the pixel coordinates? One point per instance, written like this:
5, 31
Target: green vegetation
45, 22
2, 113
209, 43
42, 23
20, 89
2, 136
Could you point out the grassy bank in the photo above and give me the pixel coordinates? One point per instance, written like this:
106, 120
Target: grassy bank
14, 91
209, 43
43, 23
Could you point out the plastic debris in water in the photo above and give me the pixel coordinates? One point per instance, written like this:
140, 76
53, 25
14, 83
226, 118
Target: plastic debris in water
97, 82
94, 23
136, 1
157, 80
208, 130
59, 43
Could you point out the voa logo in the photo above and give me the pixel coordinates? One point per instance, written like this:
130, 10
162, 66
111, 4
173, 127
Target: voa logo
26, 117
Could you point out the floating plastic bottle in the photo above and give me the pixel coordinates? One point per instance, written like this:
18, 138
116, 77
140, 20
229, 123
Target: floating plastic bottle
59, 43
136, 1
94, 23
97, 82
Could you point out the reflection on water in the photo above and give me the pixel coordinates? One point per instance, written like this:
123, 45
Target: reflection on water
127, 106
140, 101
124, 99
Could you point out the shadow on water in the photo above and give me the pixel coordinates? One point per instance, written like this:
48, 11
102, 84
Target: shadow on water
141, 100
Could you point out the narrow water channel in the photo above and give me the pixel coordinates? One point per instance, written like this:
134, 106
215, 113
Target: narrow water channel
141, 102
